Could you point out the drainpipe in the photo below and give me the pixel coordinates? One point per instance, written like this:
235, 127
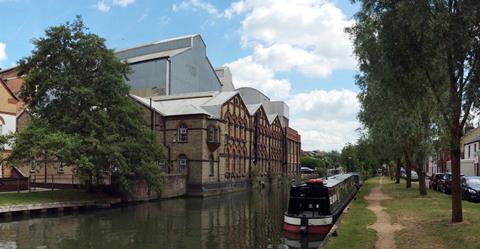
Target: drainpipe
151, 115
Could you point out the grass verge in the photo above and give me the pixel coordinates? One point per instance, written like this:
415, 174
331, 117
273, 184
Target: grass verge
427, 219
353, 231
49, 196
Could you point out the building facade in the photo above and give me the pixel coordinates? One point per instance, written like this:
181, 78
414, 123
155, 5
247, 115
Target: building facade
221, 137
8, 125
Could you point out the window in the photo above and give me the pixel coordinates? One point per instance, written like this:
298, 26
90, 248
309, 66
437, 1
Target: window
212, 166
33, 167
1, 128
227, 165
475, 147
234, 162
162, 165
211, 135
183, 134
60, 167
182, 162
469, 151
239, 158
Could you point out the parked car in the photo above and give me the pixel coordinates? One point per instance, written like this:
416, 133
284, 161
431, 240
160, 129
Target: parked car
445, 183
434, 181
413, 174
471, 188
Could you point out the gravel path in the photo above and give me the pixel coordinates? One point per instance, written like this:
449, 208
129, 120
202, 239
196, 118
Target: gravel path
385, 229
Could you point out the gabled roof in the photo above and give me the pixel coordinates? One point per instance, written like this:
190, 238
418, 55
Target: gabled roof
8, 89
475, 139
253, 108
271, 117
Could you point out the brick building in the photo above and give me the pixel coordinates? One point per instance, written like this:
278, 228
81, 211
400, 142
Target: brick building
218, 137
221, 137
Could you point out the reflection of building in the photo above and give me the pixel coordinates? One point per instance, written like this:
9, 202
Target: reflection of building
221, 137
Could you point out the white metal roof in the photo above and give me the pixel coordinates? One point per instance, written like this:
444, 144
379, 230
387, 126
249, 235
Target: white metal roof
167, 53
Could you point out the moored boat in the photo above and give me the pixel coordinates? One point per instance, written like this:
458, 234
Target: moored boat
314, 206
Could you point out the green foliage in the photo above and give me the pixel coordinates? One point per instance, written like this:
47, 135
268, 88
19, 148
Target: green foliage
420, 67
81, 112
312, 162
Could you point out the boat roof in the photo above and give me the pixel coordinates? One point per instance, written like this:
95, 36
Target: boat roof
336, 179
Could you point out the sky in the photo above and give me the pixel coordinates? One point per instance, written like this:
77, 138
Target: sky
292, 50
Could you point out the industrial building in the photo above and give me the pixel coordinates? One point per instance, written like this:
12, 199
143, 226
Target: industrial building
221, 137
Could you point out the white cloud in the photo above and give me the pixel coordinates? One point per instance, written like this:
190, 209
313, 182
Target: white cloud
196, 5
246, 72
106, 5
122, 3
3, 53
325, 119
306, 36
103, 6
164, 20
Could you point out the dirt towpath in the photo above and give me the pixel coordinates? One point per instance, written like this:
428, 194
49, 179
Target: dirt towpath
385, 229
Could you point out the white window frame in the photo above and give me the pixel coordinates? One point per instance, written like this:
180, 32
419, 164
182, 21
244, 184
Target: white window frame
182, 134
182, 163
33, 167
60, 167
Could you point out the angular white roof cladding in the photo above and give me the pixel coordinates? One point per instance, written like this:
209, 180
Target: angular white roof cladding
163, 54
206, 103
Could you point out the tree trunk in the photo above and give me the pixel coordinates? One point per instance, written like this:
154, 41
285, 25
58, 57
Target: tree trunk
408, 172
422, 188
397, 173
457, 214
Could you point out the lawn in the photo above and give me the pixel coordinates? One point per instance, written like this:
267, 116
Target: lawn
353, 232
427, 219
48, 196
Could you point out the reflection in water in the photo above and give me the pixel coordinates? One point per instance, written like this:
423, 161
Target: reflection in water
239, 220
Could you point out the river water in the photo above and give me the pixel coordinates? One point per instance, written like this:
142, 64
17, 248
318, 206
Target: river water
251, 219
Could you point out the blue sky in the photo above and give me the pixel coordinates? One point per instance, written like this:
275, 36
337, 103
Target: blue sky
292, 50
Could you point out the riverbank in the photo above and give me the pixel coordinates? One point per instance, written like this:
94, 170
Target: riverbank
53, 201
64, 195
425, 220
352, 231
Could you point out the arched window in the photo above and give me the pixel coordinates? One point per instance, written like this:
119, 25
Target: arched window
227, 163
239, 162
212, 166
245, 163
211, 134
182, 162
230, 127
234, 163
183, 133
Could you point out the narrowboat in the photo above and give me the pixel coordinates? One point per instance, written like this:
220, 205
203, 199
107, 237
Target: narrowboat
314, 206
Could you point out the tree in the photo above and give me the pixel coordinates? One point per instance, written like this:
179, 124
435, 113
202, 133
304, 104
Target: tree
396, 107
81, 113
439, 41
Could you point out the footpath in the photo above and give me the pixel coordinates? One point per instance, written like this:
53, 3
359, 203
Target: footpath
383, 226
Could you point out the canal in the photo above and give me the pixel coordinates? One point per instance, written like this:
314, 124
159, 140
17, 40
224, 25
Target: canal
251, 219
